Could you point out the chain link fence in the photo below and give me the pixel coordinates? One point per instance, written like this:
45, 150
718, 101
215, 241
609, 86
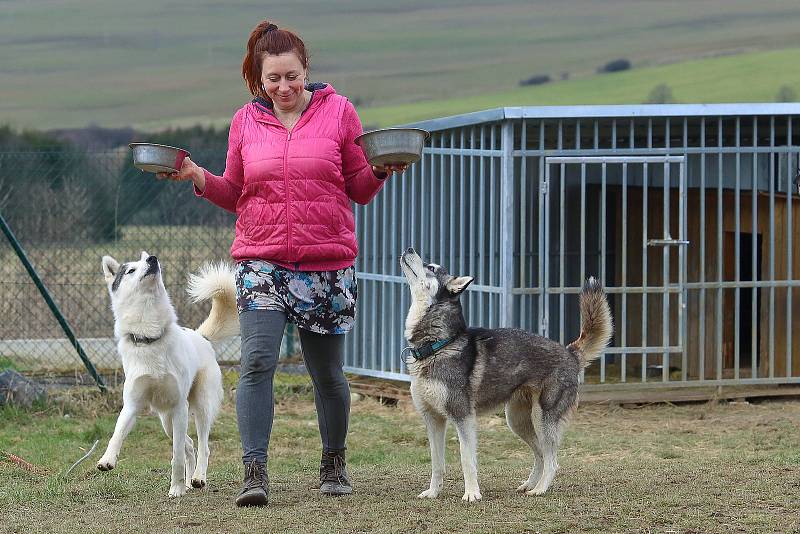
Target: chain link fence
67, 208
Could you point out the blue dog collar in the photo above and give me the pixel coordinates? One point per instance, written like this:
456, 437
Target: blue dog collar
427, 349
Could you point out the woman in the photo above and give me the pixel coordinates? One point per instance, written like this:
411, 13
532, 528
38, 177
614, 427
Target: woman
291, 171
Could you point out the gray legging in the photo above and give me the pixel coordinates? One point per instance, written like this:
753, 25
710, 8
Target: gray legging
262, 331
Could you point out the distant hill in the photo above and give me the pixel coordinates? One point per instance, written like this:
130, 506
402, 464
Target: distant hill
150, 64
748, 77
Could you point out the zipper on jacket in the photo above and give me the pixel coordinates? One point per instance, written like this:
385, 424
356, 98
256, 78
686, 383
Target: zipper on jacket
288, 193
286, 175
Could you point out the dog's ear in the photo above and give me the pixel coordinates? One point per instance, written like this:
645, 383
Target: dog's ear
145, 255
459, 284
110, 268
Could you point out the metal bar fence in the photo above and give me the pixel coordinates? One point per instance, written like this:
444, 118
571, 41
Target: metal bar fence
713, 191
496, 198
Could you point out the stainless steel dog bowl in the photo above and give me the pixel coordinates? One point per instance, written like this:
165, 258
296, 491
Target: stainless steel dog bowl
151, 157
393, 145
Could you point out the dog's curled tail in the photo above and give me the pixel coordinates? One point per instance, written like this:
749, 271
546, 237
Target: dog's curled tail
216, 282
597, 326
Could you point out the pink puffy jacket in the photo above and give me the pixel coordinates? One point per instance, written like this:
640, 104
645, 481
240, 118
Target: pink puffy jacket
291, 191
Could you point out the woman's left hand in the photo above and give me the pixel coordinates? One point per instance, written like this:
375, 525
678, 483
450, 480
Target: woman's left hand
389, 168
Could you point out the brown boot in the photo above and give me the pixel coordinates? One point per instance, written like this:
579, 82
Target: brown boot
333, 474
255, 489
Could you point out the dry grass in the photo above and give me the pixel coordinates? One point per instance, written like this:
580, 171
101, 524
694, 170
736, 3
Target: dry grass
698, 468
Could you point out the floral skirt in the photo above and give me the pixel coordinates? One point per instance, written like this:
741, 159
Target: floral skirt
320, 301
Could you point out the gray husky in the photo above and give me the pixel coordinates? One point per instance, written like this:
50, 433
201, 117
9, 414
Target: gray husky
459, 372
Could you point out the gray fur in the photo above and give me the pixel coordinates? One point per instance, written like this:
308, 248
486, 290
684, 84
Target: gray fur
118, 276
534, 377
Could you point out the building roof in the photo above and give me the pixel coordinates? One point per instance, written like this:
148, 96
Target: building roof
617, 111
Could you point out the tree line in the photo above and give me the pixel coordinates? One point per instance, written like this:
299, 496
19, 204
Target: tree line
80, 185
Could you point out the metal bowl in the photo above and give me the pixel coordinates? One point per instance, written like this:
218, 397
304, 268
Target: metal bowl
151, 157
393, 145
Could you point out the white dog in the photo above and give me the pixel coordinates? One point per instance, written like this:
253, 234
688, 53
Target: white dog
168, 368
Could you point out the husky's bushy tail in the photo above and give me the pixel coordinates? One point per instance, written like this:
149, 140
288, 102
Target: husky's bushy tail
215, 282
597, 326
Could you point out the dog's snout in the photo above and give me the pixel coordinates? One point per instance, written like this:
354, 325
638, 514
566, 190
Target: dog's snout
152, 266
410, 250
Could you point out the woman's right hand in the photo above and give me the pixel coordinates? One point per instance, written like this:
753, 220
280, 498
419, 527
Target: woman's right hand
189, 171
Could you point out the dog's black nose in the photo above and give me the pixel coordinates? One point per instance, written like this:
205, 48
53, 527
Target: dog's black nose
152, 265
410, 250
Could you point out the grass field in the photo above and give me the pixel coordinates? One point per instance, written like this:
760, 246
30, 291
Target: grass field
700, 468
151, 64
748, 77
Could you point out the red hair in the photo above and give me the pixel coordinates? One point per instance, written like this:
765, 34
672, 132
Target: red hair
266, 38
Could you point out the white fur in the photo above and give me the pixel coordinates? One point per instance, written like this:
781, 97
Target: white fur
415, 313
430, 396
176, 376
436, 426
521, 415
423, 289
216, 281
468, 444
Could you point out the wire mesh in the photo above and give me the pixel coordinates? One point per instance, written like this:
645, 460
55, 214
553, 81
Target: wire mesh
68, 208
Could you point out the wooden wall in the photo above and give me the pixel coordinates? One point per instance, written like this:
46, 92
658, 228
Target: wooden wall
707, 348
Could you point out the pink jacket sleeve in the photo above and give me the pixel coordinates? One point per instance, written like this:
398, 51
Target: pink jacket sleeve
361, 184
225, 190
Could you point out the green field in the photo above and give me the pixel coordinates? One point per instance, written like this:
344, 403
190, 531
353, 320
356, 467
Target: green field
751, 77
151, 64
704, 468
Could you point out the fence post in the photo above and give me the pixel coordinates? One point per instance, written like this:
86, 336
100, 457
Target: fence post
50, 302
507, 224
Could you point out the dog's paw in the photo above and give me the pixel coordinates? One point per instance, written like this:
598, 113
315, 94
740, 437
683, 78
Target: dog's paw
106, 464
524, 487
536, 491
198, 483
428, 494
471, 496
179, 490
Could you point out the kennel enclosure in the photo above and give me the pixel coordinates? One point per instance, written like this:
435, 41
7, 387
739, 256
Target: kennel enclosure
688, 214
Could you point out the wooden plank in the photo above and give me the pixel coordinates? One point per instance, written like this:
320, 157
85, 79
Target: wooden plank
391, 389
380, 388
686, 394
